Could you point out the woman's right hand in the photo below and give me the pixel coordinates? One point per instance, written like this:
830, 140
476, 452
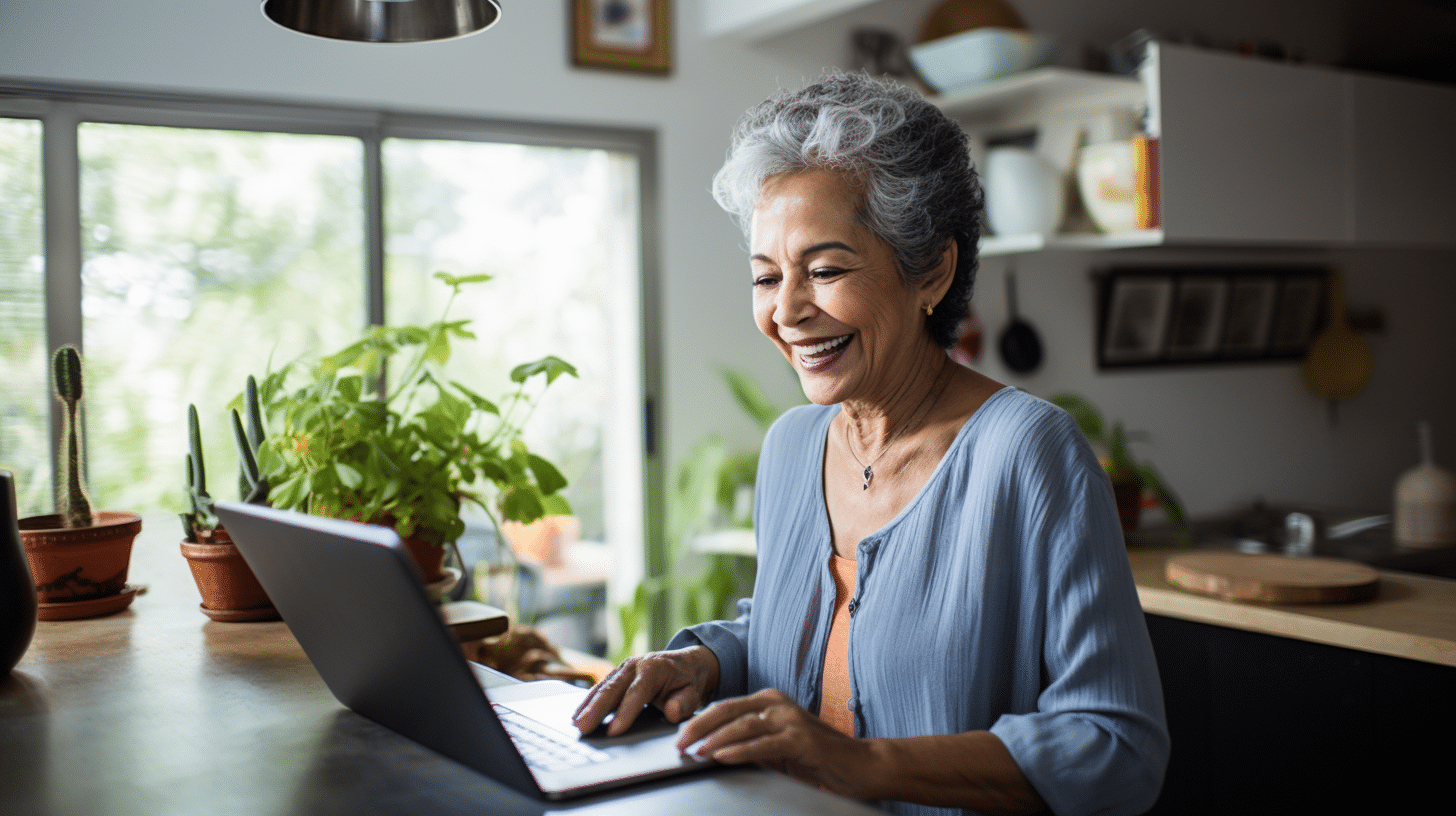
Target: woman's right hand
678, 682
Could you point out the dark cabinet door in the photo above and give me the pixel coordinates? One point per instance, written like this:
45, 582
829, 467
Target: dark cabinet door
1266, 724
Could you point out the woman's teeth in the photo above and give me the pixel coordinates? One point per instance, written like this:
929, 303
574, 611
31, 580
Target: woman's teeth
821, 349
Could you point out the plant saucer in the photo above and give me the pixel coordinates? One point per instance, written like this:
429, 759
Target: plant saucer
93, 608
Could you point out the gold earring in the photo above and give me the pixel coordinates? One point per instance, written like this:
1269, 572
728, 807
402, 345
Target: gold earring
929, 310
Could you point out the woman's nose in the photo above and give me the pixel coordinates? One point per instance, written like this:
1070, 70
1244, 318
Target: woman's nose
795, 303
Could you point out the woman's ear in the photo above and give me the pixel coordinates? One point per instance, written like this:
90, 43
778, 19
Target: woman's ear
938, 282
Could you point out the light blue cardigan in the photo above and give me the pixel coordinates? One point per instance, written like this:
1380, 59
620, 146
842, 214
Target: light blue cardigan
1000, 598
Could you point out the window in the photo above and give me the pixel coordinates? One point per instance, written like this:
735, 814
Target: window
212, 239
23, 436
206, 254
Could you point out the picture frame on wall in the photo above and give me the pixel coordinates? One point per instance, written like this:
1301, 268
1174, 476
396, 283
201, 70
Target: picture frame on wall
1197, 319
1137, 318
622, 35
1178, 316
1250, 312
1297, 316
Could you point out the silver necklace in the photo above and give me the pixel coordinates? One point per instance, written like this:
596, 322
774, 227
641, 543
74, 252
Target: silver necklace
925, 407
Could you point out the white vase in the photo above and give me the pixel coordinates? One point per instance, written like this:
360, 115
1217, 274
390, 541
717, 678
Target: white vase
1024, 192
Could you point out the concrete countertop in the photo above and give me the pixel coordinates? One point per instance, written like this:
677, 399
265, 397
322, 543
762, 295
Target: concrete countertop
1411, 616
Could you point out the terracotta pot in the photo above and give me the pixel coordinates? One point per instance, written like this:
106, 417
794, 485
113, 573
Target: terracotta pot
75, 564
429, 558
1128, 494
230, 591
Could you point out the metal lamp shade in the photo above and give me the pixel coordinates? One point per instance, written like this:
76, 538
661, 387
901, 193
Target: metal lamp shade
384, 21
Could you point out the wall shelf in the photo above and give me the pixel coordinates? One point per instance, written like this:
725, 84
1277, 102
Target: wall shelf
1251, 152
1040, 91
755, 20
993, 245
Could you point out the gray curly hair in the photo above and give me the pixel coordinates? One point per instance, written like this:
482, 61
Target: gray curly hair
912, 162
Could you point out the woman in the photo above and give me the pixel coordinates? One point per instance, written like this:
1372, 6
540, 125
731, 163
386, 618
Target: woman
944, 617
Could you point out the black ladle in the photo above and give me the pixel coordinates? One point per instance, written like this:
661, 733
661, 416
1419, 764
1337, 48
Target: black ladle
1020, 344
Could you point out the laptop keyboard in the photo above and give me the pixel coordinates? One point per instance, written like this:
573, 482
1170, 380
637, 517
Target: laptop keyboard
543, 747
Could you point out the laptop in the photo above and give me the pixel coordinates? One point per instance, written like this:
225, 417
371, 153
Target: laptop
354, 599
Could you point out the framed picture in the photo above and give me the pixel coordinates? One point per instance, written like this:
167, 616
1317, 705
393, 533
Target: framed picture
1197, 318
1178, 316
1136, 318
1297, 316
1250, 310
627, 35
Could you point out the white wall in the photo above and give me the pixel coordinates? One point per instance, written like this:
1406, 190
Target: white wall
1221, 435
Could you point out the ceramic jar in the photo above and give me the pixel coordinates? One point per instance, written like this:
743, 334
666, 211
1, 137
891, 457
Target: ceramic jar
18, 605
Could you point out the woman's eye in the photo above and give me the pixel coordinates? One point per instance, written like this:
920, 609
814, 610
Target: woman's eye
825, 272
764, 280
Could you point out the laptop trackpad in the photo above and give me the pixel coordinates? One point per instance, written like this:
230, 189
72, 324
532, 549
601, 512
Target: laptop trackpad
556, 711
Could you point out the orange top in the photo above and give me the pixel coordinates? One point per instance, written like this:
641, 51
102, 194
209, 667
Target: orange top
834, 699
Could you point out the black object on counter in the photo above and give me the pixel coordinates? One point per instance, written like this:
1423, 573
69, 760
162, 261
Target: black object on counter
17, 588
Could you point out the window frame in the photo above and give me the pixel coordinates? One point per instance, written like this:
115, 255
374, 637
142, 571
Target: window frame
61, 110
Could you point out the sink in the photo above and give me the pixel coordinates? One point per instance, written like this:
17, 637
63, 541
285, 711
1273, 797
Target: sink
1303, 531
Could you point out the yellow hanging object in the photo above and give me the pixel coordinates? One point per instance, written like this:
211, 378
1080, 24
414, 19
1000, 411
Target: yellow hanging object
1339, 362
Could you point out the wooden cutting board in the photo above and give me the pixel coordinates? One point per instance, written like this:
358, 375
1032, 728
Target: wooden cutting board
1272, 578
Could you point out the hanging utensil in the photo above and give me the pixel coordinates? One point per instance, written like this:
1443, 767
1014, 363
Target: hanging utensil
1020, 344
1339, 361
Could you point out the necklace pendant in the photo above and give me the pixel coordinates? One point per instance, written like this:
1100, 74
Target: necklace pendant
868, 475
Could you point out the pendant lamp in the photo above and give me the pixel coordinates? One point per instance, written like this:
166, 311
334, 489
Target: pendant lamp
384, 21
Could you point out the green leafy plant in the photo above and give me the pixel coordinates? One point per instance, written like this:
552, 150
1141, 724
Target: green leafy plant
73, 505
338, 444
707, 495
1129, 477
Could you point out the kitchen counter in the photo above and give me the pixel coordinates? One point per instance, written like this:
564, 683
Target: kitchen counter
1412, 616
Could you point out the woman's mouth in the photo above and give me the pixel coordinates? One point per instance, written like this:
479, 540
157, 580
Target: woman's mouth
824, 354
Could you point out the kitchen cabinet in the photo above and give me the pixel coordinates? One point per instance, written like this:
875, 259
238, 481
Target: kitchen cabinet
1266, 724
1403, 178
1252, 152
1303, 708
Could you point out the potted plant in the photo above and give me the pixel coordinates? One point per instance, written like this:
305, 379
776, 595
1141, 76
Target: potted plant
230, 591
78, 556
1130, 479
413, 456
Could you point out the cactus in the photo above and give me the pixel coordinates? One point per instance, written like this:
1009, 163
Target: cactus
72, 503
200, 518
252, 487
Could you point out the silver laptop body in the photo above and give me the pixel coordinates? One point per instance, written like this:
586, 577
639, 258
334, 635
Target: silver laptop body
353, 598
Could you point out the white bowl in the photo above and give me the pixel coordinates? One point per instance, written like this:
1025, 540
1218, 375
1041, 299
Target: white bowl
1024, 192
978, 55
1106, 182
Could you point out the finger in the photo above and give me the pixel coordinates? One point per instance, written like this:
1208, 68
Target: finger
767, 750
643, 689
680, 704
721, 724
603, 698
591, 695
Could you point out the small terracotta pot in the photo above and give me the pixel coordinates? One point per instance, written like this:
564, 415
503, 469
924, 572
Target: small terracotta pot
1129, 497
429, 558
73, 564
230, 591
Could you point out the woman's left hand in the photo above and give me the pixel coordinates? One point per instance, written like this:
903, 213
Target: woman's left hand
772, 730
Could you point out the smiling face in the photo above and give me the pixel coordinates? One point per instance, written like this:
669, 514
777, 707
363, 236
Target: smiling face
826, 291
